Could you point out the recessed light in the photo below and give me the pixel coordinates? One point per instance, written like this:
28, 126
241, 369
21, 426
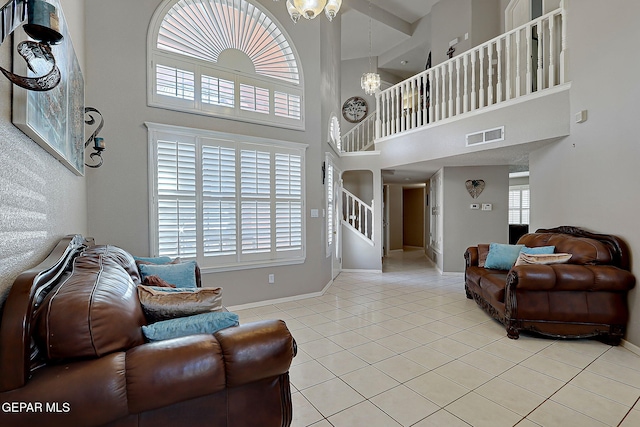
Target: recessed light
404, 62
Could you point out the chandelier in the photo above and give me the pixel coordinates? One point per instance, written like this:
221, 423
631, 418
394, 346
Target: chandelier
312, 8
370, 81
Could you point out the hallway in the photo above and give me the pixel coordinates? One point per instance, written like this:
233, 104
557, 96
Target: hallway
407, 348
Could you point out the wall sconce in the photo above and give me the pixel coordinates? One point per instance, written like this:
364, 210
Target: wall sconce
43, 26
98, 142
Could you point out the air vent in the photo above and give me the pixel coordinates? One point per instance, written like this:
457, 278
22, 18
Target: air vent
486, 136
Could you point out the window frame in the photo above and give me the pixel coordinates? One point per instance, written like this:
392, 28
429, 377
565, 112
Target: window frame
200, 67
201, 137
520, 189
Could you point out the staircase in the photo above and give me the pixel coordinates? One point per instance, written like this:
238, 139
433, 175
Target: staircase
357, 216
361, 137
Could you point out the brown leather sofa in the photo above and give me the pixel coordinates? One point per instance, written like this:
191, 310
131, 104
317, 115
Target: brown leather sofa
586, 297
95, 369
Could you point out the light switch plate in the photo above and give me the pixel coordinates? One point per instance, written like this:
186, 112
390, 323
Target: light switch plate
314, 213
487, 206
474, 206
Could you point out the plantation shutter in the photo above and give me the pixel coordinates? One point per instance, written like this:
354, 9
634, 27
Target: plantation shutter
219, 200
255, 182
177, 221
288, 172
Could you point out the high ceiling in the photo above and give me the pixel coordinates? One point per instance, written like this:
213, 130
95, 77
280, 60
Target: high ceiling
392, 22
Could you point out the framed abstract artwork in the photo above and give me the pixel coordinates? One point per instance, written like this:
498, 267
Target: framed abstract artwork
54, 119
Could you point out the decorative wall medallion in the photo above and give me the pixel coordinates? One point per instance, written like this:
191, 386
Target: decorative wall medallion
475, 187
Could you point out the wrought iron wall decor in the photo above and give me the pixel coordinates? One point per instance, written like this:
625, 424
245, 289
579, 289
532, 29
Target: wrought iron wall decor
474, 187
98, 142
44, 27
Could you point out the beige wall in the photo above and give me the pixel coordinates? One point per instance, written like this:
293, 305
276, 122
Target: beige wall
589, 179
395, 217
40, 199
118, 192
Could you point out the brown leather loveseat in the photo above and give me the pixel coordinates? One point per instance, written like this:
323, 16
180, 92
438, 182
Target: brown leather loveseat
94, 368
585, 297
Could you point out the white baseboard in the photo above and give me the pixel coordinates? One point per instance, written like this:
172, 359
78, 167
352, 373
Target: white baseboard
356, 270
452, 273
631, 347
281, 300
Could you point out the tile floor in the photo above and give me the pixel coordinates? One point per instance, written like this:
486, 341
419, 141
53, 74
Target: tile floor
407, 348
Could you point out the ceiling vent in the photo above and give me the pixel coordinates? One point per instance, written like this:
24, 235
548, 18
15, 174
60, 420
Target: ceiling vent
485, 136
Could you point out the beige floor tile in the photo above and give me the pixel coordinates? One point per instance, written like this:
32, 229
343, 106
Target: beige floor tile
451, 347
362, 414
631, 420
552, 414
398, 343
442, 418
309, 374
304, 414
591, 404
474, 340
428, 357
331, 328
553, 368
511, 396
342, 362
437, 388
404, 405
320, 347
481, 412
487, 362
441, 328
374, 332
464, 374
305, 335
614, 371
507, 351
562, 354
323, 423
369, 381
332, 396
622, 356
349, 339
533, 381
421, 334
529, 343
606, 387
313, 319
372, 352
400, 368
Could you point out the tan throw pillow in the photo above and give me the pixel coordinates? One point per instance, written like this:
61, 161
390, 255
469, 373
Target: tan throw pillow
483, 251
559, 258
157, 281
169, 303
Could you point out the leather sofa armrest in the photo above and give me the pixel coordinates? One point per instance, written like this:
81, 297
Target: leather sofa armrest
471, 256
166, 372
255, 351
570, 277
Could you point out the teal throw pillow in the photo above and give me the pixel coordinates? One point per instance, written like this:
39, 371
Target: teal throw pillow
153, 260
501, 256
205, 323
545, 250
182, 275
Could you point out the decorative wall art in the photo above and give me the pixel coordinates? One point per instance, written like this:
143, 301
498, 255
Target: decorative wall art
474, 187
55, 118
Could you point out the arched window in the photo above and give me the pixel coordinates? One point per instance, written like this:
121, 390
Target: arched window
225, 58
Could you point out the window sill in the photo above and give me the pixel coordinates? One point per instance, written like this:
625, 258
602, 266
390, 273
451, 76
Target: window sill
251, 265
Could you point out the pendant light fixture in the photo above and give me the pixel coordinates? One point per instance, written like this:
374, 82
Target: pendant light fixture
312, 8
370, 81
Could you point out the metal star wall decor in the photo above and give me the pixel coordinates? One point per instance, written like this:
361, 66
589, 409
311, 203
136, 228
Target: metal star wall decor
474, 187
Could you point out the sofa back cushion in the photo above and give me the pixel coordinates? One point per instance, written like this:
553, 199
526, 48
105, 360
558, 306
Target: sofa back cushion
123, 258
584, 250
93, 312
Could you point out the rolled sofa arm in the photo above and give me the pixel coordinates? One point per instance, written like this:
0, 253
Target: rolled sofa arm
255, 351
570, 277
471, 256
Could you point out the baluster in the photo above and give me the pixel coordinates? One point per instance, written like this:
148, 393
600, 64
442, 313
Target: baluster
481, 76
508, 67
458, 86
563, 19
360, 217
450, 89
465, 96
499, 66
540, 74
432, 85
403, 114
436, 92
518, 64
387, 118
490, 75
414, 103
474, 97
529, 81
424, 106
378, 124
397, 105
552, 62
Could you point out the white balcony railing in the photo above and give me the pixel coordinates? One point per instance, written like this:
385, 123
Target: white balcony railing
360, 137
525, 60
358, 215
